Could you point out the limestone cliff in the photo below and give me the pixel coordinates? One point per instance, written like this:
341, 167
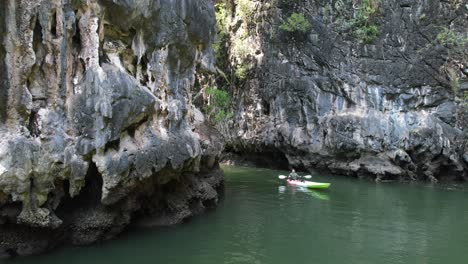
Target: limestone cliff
362, 92
97, 126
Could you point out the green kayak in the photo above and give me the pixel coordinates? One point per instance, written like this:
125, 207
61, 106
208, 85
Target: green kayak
310, 184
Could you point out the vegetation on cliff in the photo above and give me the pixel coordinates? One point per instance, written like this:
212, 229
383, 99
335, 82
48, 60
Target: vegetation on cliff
296, 24
218, 105
392, 60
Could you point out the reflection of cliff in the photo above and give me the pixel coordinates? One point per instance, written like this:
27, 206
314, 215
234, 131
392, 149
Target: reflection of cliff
389, 109
401, 223
96, 120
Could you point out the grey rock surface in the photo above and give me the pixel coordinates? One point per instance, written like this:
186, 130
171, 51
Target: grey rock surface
391, 109
97, 126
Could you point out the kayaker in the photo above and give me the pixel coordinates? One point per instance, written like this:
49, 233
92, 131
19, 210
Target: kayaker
301, 178
293, 175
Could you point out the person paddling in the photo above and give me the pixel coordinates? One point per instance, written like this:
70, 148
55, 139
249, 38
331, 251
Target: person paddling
293, 175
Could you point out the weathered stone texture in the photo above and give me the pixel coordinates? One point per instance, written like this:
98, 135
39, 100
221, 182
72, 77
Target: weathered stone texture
96, 119
389, 109
3, 74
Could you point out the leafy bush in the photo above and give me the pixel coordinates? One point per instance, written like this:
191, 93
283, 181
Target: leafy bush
242, 71
361, 21
296, 23
448, 37
221, 19
246, 10
327, 12
368, 9
367, 34
363, 24
218, 109
241, 49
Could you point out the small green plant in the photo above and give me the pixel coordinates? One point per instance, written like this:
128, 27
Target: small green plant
221, 19
222, 115
363, 24
368, 9
246, 10
341, 8
241, 49
242, 71
327, 12
296, 23
367, 34
218, 109
360, 21
449, 37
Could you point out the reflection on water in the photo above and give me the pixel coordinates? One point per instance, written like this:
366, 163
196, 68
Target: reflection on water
281, 189
319, 194
322, 195
263, 221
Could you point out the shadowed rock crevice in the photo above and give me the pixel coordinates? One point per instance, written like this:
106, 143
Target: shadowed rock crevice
263, 157
53, 23
92, 192
33, 125
179, 200
37, 35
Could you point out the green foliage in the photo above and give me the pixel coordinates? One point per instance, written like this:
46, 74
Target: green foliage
246, 10
241, 49
448, 37
360, 20
341, 8
222, 115
363, 24
327, 12
218, 109
242, 71
296, 23
221, 19
220, 98
367, 34
368, 9
343, 24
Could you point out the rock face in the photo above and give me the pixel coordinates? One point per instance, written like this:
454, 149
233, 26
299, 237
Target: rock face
97, 126
390, 109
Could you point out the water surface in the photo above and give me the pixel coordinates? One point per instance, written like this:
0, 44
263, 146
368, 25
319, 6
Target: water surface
262, 221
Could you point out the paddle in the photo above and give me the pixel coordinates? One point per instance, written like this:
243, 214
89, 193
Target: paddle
282, 177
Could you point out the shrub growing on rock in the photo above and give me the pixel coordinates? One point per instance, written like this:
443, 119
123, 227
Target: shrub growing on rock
364, 26
246, 10
296, 24
242, 71
218, 108
448, 37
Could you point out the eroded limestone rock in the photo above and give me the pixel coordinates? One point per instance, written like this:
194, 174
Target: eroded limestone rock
96, 118
389, 109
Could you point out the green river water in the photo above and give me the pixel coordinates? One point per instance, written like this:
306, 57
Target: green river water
261, 221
